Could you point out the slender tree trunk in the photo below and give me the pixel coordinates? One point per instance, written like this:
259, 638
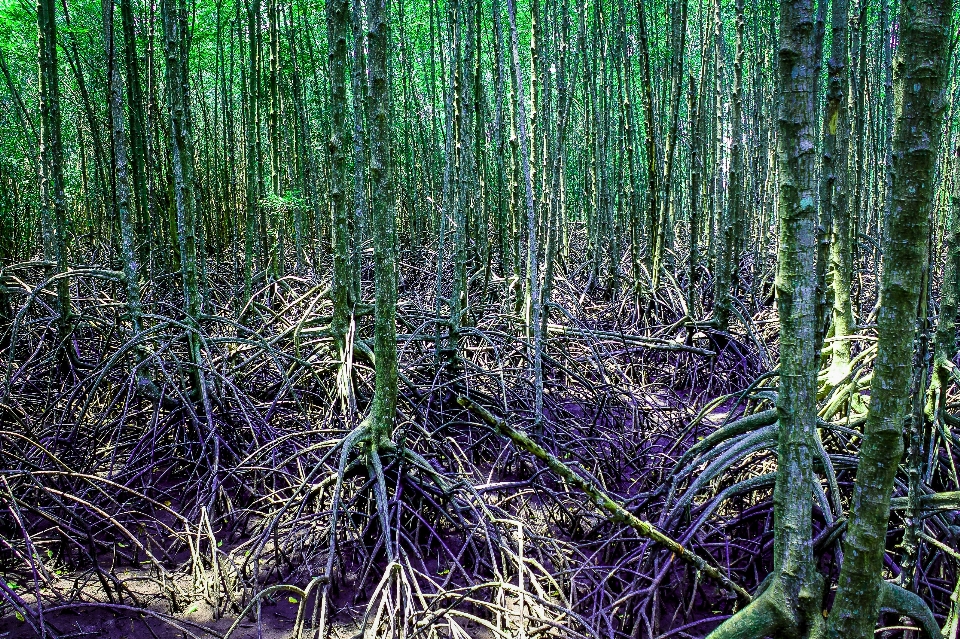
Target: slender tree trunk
383, 224
340, 138
122, 196
557, 165
457, 183
664, 234
919, 72
251, 152
945, 338
504, 232
102, 181
696, 175
857, 176
51, 152
275, 134
649, 137
834, 227
361, 142
533, 279
309, 164
181, 148
732, 227
138, 139
632, 194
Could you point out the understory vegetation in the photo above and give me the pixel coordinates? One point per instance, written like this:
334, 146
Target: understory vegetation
452, 319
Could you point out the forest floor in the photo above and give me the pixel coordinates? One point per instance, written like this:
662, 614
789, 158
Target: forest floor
137, 515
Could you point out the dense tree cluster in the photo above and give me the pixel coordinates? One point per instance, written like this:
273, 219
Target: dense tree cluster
470, 318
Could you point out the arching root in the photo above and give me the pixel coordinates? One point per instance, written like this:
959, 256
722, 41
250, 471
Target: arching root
601, 498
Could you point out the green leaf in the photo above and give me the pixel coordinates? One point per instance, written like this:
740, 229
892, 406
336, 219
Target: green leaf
292, 600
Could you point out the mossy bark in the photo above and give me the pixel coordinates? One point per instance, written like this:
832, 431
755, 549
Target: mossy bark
919, 71
791, 605
182, 158
53, 198
337, 12
834, 227
945, 337
383, 227
794, 567
120, 168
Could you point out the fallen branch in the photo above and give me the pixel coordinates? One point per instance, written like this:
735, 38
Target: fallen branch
653, 343
600, 498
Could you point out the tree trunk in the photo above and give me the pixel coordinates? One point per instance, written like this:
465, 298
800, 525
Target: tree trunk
181, 147
653, 183
361, 142
834, 227
664, 234
138, 141
277, 211
383, 226
793, 600
919, 71
533, 279
731, 227
51, 152
251, 138
122, 190
340, 138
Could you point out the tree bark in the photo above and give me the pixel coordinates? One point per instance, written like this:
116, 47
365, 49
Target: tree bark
793, 600
919, 71
120, 166
181, 147
732, 225
383, 226
51, 151
139, 164
340, 138
834, 226
533, 270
